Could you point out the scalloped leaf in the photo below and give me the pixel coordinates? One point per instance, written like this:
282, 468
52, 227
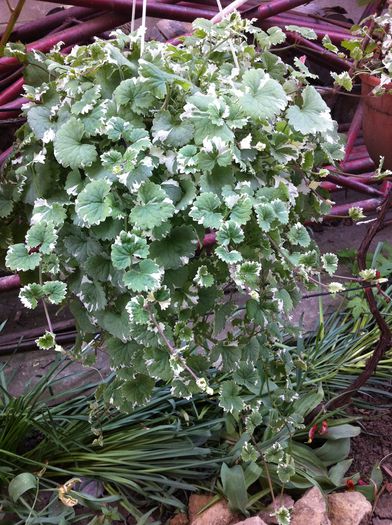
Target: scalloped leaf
42, 236
46, 341
54, 291
204, 210
145, 276
127, 248
175, 250
313, 116
30, 295
93, 203
18, 258
93, 296
153, 208
69, 149
263, 97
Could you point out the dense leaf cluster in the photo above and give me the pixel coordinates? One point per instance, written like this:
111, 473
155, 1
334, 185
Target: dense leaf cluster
164, 197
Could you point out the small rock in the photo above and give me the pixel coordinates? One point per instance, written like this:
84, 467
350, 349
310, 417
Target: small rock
280, 501
196, 503
179, 519
218, 514
378, 521
252, 521
311, 508
384, 506
348, 508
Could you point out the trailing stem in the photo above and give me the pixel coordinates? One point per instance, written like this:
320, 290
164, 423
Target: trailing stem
10, 25
385, 341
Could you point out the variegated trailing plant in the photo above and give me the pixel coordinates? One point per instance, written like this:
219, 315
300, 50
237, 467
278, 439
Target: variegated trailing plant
129, 167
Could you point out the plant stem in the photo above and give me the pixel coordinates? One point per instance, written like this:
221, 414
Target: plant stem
10, 25
170, 346
48, 320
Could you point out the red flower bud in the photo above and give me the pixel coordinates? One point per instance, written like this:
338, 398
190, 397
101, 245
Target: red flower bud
350, 484
323, 428
312, 433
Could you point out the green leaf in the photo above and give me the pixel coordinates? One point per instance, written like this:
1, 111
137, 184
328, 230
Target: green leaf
263, 96
242, 210
342, 431
337, 472
153, 207
204, 210
230, 399
343, 79
87, 101
280, 210
19, 259
98, 267
229, 233
307, 402
54, 291
306, 32
39, 119
114, 323
299, 235
127, 248
166, 130
137, 391
176, 248
50, 212
93, 296
46, 341
287, 302
69, 149
138, 314
143, 277
229, 356
158, 364
265, 216
133, 94
234, 487
333, 451
93, 204
247, 375
30, 295
247, 274
120, 353
203, 277
330, 263
229, 257
42, 236
312, 116
21, 484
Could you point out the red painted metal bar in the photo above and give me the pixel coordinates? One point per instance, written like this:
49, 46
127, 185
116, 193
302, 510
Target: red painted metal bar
5, 154
70, 36
353, 184
9, 282
327, 56
11, 91
343, 209
352, 134
162, 10
36, 28
284, 20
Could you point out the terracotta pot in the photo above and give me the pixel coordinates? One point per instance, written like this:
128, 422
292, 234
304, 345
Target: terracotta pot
377, 121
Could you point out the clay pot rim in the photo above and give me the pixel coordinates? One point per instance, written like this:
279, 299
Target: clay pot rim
372, 80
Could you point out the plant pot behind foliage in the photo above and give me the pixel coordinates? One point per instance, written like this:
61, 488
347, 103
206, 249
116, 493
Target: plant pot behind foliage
377, 121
